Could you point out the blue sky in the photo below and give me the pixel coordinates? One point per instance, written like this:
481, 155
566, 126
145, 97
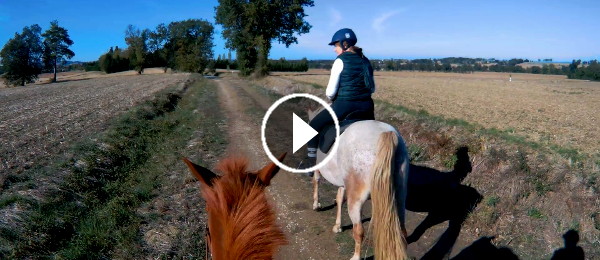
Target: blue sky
562, 30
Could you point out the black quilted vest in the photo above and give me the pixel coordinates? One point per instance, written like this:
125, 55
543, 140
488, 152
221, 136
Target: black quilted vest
356, 79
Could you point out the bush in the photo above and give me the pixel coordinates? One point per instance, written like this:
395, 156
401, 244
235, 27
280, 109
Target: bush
91, 66
113, 61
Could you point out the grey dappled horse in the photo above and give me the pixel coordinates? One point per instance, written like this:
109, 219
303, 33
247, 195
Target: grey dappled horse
371, 159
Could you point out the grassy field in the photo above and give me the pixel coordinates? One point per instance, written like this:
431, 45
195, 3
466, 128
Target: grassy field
533, 145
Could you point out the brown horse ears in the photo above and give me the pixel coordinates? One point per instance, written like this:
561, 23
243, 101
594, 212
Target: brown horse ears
268, 172
205, 176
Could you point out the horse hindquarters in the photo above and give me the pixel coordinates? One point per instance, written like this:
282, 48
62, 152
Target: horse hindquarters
389, 239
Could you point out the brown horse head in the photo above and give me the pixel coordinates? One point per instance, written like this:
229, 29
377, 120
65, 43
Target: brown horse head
241, 221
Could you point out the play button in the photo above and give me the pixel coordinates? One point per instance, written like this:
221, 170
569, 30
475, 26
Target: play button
302, 132
285, 129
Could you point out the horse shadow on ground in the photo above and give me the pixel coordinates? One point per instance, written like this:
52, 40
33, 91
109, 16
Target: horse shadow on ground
444, 198
484, 249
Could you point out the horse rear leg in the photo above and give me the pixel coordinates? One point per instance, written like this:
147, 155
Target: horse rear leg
339, 199
357, 194
316, 178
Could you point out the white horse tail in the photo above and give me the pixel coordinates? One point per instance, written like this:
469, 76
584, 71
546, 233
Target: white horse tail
389, 241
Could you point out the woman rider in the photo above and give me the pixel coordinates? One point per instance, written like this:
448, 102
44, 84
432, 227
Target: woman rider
350, 85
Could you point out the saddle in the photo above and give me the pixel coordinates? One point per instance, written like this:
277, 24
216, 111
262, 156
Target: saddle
327, 136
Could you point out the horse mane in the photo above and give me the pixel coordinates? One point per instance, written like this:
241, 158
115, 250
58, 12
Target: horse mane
240, 211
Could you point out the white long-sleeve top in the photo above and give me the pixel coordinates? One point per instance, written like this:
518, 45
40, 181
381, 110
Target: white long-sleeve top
334, 79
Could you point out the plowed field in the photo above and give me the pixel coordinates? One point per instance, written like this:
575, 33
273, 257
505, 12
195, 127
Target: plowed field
37, 121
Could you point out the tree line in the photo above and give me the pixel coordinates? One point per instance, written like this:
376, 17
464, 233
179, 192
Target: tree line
285, 65
245, 29
578, 69
223, 62
183, 45
249, 29
588, 70
282, 64
28, 53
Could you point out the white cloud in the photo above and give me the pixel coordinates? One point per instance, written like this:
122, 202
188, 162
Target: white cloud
378, 23
336, 17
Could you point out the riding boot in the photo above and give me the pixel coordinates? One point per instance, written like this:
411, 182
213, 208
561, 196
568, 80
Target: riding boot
309, 161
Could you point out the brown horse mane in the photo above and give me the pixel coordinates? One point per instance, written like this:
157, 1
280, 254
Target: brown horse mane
241, 214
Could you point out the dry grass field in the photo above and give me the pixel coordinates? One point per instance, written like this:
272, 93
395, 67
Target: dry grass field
547, 109
541, 64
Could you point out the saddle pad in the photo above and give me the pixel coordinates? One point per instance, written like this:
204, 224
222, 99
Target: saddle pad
327, 138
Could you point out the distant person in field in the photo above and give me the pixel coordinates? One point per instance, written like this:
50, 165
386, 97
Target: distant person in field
350, 85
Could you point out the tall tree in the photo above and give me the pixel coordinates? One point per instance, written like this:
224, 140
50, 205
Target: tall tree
157, 41
158, 38
56, 46
136, 40
106, 61
251, 26
21, 57
190, 44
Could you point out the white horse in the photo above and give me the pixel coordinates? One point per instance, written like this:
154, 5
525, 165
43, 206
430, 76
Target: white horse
371, 159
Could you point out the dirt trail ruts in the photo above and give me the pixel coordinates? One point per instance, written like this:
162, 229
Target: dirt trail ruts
308, 232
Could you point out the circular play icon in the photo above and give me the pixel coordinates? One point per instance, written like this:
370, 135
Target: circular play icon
302, 132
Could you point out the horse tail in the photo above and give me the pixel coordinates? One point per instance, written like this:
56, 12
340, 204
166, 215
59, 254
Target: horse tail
388, 235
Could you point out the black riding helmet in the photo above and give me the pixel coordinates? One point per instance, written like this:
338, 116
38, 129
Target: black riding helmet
344, 36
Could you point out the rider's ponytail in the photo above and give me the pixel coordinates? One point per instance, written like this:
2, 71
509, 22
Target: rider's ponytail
356, 50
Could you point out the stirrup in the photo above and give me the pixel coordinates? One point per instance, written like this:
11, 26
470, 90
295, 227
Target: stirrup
306, 163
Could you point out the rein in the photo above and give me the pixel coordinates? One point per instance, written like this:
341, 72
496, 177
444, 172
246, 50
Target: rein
207, 253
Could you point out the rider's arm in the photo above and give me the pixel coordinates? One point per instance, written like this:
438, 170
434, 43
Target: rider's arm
334, 79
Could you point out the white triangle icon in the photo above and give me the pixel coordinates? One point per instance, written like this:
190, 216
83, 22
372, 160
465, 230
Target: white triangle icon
302, 132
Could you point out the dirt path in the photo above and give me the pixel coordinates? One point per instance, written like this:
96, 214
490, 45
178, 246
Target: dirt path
309, 232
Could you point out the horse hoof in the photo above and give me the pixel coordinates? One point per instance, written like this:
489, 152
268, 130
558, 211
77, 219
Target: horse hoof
317, 206
337, 229
355, 257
